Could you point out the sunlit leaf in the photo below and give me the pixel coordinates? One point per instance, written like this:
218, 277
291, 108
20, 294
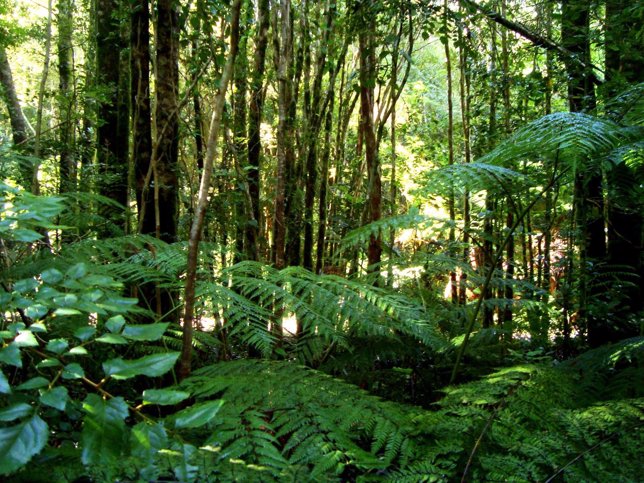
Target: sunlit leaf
15, 411
147, 332
25, 339
197, 415
18, 444
104, 435
73, 371
33, 383
56, 397
152, 366
164, 396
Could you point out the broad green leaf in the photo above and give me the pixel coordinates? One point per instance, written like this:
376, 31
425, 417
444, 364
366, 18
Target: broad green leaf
146, 332
5, 388
111, 339
84, 333
77, 271
51, 275
62, 312
73, 371
11, 355
48, 363
15, 411
25, 285
18, 444
146, 442
151, 366
25, 235
25, 339
77, 351
197, 415
56, 397
57, 346
38, 327
180, 457
33, 383
104, 434
115, 324
16, 327
36, 311
164, 396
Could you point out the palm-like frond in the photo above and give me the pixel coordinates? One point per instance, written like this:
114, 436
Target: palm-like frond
572, 137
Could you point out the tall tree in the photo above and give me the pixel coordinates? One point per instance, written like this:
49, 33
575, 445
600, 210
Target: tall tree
589, 200
283, 51
196, 229
166, 152
67, 163
255, 109
141, 112
20, 128
367, 76
624, 66
112, 132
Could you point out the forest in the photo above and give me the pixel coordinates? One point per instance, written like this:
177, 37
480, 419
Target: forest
334, 240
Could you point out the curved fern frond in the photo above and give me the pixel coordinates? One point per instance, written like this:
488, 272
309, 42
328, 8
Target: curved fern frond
571, 136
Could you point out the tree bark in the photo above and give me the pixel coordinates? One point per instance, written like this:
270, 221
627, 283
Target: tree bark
141, 111
624, 66
255, 108
20, 128
167, 121
185, 362
367, 77
67, 162
588, 190
283, 48
112, 141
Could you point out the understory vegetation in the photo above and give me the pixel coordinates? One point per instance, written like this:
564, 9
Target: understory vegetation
407, 247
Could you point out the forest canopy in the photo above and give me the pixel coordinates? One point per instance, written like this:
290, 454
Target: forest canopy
289, 240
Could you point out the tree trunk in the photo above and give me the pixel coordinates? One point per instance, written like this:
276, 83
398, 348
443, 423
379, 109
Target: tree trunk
588, 183
254, 124
283, 48
141, 112
167, 121
624, 66
367, 82
196, 229
67, 163
112, 142
20, 128
243, 209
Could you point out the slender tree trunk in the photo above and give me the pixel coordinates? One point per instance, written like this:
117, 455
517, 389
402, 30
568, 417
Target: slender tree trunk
20, 128
283, 47
67, 163
624, 66
42, 91
464, 90
588, 183
254, 123
185, 362
367, 81
450, 144
243, 211
141, 111
313, 131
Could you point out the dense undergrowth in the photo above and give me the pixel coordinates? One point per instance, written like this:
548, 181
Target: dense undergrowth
88, 391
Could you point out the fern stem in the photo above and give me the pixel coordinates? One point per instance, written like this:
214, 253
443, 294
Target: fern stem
490, 272
581, 455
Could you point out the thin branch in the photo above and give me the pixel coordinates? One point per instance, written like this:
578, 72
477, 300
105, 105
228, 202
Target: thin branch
535, 38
